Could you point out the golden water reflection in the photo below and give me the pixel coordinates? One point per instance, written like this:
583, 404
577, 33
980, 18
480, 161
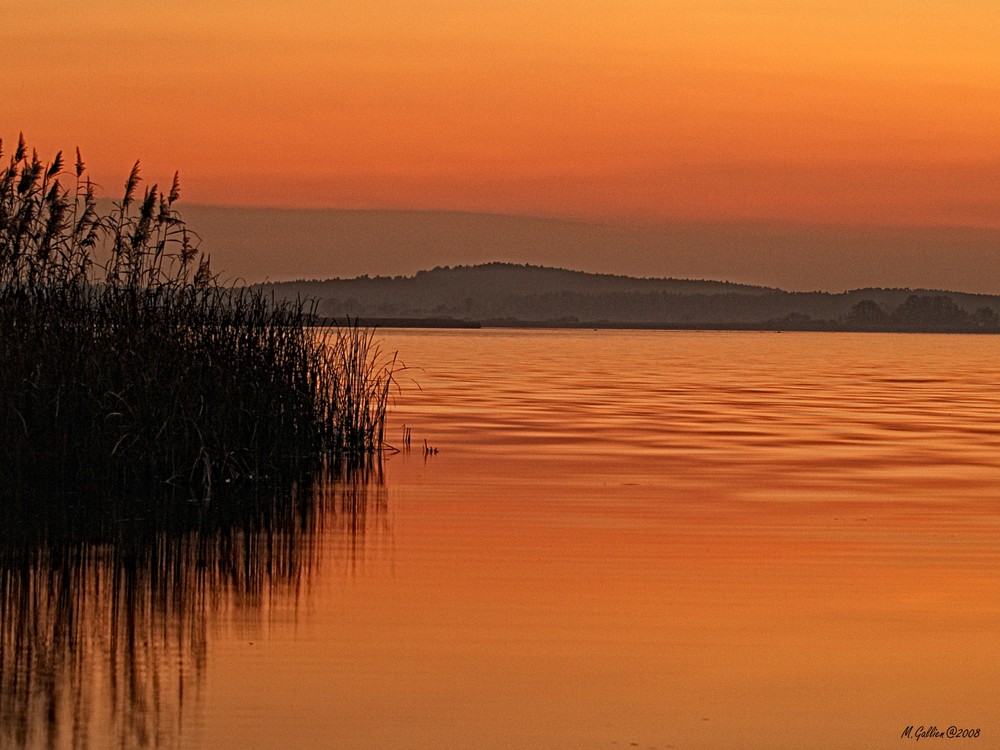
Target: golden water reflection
693, 539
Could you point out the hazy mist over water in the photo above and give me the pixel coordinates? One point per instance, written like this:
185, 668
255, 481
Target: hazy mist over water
285, 244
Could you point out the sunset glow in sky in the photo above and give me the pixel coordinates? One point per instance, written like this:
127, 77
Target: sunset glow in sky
637, 110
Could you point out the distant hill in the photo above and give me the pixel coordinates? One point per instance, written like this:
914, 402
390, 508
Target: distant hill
511, 294
261, 244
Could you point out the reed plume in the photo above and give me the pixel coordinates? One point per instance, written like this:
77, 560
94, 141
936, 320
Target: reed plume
124, 360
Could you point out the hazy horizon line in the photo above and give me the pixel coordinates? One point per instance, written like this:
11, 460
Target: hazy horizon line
294, 243
594, 221
629, 277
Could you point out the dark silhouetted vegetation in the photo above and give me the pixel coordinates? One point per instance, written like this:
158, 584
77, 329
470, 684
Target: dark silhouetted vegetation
867, 314
515, 295
125, 364
169, 446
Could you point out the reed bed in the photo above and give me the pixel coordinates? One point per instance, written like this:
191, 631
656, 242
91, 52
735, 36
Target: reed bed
126, 365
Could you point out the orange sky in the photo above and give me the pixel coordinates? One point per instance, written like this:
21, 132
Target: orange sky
846, 111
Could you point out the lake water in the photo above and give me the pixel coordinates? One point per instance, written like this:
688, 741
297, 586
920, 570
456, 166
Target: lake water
625, 539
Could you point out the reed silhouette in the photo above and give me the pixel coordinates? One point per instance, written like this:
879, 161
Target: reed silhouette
125, 363
169, 446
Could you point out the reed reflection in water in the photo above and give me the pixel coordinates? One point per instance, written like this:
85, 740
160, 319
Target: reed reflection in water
106, 616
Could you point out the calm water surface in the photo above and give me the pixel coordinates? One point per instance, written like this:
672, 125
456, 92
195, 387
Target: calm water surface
626, 539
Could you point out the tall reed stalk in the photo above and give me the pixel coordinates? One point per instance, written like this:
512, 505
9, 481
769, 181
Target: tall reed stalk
125, 363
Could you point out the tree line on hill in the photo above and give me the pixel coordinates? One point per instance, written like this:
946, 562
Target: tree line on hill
935, 312
507, 294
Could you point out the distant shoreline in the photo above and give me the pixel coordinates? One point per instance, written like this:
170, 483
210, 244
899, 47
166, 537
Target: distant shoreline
364, 322
610, 325
505, 295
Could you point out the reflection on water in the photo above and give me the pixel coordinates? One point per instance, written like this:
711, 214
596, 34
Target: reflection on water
105, 621
690, 539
